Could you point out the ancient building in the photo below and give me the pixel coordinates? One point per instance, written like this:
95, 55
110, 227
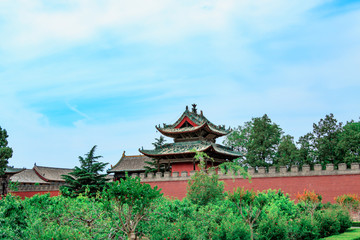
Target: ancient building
133, 164
192, 131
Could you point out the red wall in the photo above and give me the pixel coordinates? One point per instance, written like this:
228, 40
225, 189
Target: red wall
187, 166
179, 167
327, 186
30, 194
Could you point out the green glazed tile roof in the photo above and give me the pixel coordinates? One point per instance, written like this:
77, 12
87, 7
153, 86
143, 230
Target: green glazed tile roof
188, 147
198, 119
13, 170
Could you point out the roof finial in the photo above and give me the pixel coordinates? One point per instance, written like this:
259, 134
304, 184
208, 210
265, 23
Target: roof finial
187, 108
124, 154
201, 113
194, 108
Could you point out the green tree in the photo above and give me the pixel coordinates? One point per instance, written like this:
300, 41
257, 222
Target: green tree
249, 204
154, 165
5, 151
239, 139
349, 143
306, 149
128, 202
287, 153
257, 140
87, 178
263, 142
204, 186
326, 137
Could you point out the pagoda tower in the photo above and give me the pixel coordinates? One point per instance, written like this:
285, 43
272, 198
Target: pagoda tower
192, 131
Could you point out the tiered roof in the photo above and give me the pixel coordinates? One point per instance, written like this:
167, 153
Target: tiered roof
192, 131
181, 148
191, 123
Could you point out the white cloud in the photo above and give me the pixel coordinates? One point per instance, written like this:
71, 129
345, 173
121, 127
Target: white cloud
32, 28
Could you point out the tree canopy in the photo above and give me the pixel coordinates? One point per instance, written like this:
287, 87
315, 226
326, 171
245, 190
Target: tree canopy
5, 151
258, 141
86, 179
263, 144
154, 165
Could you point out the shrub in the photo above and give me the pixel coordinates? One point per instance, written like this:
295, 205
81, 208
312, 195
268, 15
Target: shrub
303, 228
327, 222
12, 218
204, 186
342, 215
272, 227
232, 228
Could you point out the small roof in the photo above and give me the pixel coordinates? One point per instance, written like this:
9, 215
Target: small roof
189, 147
27, 176
11, 170
130, 163
51, 173
195, 122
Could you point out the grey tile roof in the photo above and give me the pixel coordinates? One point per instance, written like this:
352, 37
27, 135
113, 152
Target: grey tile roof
130, 163
51, 173
27, 176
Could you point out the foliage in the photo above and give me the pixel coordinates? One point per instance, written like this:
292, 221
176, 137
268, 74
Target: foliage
328, 224
309, 201
348, 146
83, 217
204, 186
250, 206
87, 178
349, 201
154, 165
128, 202
12, 218
5, 151
306, 150
273, 227
263, 142
287, 153
326, 137
303, 228
239, 139
235, 169
257, 140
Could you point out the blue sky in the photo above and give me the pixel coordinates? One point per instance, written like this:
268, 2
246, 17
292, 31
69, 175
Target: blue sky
75, 74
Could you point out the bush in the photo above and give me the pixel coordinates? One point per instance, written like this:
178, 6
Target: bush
12, 218
232, 228
272, 227
327, 222
343, 216
303, 228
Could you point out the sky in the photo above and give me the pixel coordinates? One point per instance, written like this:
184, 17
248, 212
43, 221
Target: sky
74, 74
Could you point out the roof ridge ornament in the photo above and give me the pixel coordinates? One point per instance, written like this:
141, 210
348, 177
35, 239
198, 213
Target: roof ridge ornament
194, 110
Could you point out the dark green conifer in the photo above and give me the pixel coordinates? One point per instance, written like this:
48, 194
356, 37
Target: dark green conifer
86, 179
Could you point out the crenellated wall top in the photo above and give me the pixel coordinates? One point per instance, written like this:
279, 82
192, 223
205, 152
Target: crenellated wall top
261, 172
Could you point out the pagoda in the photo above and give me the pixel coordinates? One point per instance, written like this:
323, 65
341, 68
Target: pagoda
192, 131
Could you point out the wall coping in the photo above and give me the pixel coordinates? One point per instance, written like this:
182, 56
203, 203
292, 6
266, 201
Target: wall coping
261, 172
37, 188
